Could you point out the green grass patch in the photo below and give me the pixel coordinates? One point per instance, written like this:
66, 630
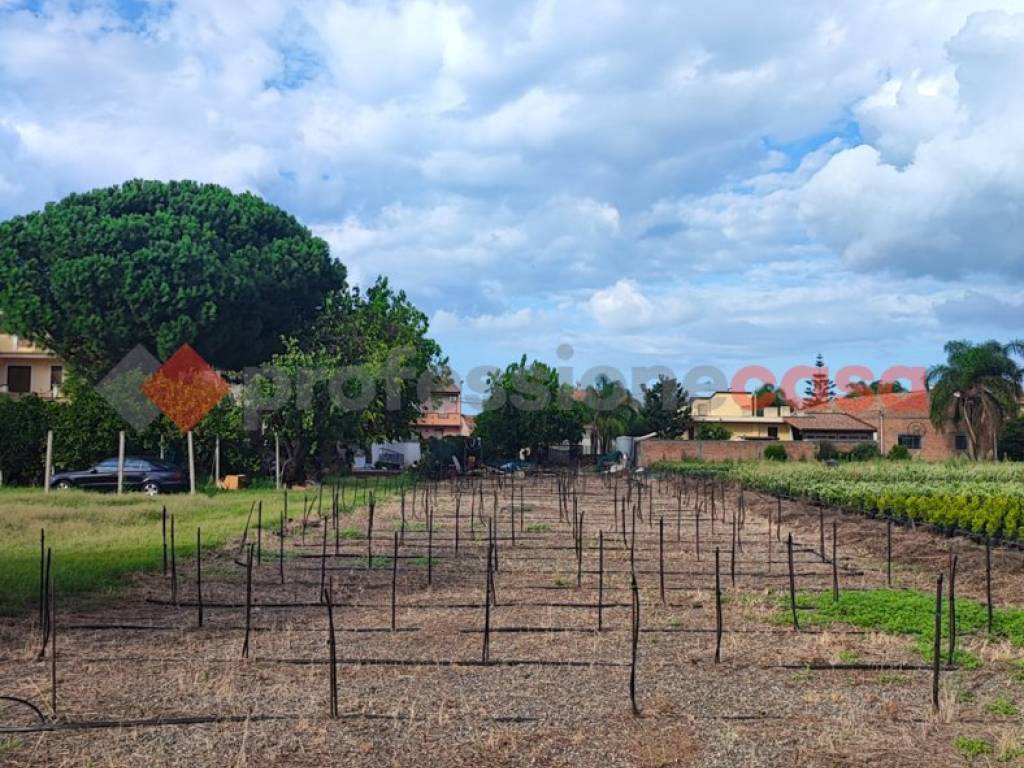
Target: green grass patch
849, 656
538, 528
98, 540
1002, 705
350, 534
424, 561
971, 747
903, 612
10, 745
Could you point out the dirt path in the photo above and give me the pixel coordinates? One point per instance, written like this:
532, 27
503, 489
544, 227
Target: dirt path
556, 691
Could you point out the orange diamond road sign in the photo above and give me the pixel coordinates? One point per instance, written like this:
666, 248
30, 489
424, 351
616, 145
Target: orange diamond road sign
185, 388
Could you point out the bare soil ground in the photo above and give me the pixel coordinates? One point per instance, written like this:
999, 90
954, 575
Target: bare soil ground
555, 690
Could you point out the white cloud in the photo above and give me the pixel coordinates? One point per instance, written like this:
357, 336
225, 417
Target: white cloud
574, 169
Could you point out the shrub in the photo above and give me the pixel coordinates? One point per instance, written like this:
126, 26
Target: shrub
776, 452
712, 432
23, 424
826, 451
864, 452
899, 453
1011, 441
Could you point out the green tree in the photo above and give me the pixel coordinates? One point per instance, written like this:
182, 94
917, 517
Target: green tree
876, 387
527, 407
1011, 440
161, 264
820, 389
769, 396
712, 431
359, 375
978, 388
613, 411
665, 408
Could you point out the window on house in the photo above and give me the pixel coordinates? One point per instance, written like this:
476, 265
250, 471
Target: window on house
56, 376
773, 433
960, 442
19, 379
913, 442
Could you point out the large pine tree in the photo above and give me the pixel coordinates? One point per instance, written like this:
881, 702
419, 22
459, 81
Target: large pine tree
820, 389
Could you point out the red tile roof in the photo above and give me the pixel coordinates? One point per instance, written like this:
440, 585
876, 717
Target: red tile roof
910, 403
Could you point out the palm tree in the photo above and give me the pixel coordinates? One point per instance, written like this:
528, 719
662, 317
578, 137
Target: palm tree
978, 387
613, 407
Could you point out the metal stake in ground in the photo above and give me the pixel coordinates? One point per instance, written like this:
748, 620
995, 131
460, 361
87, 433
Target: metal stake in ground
661, 556
332, 650
952, 611
280, 547
323, 567
394, 581
42, 577
430, 546
369, 534
163, 531
600, 580
718, 610
988, 581
53, 650
259, 532
486, 657
888, 552
937, 650
835, 566
792, 580
821, 532
174, 567
199, 575
248, 603
635, 643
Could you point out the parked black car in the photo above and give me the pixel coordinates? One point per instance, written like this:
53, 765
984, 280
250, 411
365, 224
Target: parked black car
151, 476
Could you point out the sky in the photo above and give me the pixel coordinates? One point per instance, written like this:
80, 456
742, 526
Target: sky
595, 184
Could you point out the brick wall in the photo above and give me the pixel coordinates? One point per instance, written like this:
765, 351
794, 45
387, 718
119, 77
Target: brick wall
651, 451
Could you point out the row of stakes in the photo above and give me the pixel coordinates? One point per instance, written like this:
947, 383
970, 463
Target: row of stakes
568, 501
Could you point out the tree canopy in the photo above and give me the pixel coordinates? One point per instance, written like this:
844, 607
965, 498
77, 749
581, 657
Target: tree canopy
161, 264
527, 407
977, 388
820, 388
357, 376
665, 408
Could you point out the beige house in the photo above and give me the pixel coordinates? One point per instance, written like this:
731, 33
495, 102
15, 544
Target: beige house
738, 413
27, 369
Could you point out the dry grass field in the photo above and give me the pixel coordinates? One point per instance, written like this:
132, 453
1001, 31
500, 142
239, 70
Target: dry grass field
139, 682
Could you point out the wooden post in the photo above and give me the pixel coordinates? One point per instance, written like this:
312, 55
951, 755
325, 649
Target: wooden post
369, 535
191, 465
163, 531
216, 461
430, 546
277, 462
792, 580
259, 532
937, 650
120, 463
48, 469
